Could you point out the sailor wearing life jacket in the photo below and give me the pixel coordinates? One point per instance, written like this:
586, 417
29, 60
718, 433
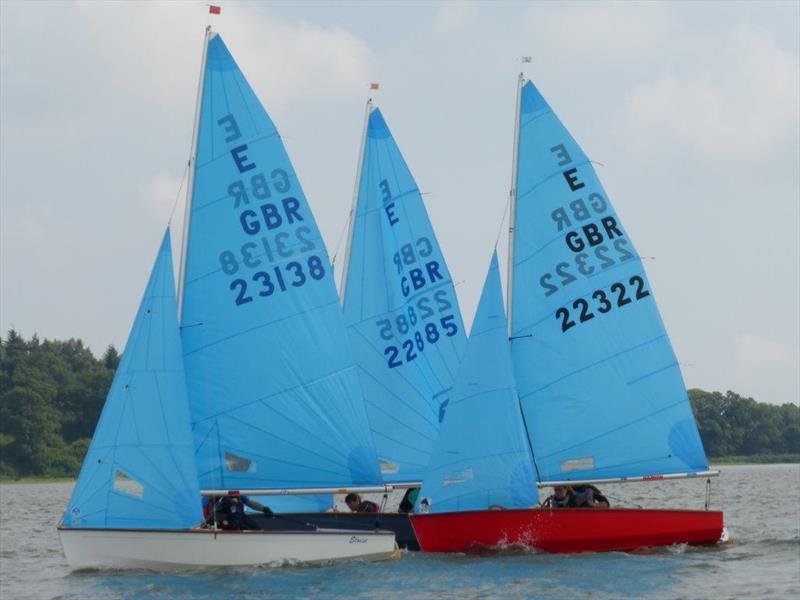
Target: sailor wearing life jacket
228, 512
562, 497
356, 504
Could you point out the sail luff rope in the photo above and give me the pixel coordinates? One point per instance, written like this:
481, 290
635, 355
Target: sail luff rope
341, 237
178, 195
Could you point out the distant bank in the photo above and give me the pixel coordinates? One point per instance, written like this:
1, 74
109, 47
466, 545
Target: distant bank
721, 461
52, 392
758, 459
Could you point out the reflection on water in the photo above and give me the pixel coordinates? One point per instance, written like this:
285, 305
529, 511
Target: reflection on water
762, 513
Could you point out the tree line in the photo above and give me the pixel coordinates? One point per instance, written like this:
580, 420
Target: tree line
52, 392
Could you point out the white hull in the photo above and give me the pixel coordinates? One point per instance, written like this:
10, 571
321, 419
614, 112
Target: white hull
163, 549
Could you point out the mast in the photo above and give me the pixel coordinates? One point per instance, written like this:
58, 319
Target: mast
187, 214
351, 223
512, 217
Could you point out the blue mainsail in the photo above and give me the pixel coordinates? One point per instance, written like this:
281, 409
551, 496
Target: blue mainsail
482, 457
401, 309
273, 391
600, 386
139, 471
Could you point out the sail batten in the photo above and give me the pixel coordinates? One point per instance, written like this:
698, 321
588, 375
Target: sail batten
599, 383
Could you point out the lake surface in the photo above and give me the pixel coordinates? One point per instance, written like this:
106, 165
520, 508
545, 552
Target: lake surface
762, 514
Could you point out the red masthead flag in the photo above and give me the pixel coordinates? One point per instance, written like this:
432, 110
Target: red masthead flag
214, 10
374, 86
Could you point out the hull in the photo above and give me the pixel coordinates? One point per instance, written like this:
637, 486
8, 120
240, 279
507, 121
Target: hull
399, 523
566, 530
164, 549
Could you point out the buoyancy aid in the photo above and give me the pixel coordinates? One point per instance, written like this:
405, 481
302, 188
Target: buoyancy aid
230, 512
367, 506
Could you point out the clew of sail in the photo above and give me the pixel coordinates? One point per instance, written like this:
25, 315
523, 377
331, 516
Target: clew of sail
139, 471
401, 309
598, 380
273, 391
482, 457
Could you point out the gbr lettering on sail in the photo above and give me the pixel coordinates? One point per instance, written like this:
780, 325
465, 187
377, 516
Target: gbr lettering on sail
593, 242
426, 315
273, 226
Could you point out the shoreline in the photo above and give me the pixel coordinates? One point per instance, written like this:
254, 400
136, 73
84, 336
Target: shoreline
36, 479
715, 462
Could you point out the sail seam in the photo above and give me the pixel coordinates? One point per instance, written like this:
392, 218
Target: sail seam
265, 399
592, 365
614, 430
259, 326
656, 372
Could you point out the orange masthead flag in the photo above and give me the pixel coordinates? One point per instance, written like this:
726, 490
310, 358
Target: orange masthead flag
374, 86
214, 10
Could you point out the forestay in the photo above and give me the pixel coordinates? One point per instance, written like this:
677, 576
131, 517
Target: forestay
600, 386
401, 309
482, 457
273, 391
139, 471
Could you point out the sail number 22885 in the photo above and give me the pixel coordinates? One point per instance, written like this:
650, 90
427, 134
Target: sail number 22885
411, 347
617, 297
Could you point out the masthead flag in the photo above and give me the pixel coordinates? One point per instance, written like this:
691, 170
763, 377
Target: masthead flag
214, 10
374, 86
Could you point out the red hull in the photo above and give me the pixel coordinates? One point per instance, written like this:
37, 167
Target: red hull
566, 529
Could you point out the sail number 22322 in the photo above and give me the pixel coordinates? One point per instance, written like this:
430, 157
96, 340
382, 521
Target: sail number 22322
617, 296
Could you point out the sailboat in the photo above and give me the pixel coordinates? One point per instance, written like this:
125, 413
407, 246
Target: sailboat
403, 321
582, 388
255, 392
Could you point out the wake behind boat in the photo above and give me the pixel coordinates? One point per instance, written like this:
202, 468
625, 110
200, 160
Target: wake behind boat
582, 388
256, 388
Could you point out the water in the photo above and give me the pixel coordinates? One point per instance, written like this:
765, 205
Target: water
762, 513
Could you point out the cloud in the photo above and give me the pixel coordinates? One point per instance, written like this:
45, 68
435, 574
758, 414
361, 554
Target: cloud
101, 51
737, 102
160, 192
453, 16
755, 351
578, 34
714, 92
283, 60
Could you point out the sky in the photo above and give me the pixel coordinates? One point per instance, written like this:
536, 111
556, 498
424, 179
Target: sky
692, 109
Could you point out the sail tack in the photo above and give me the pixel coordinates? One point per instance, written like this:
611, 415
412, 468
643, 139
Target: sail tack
273, 391
139, 471
482, 457
401, 310
599, 383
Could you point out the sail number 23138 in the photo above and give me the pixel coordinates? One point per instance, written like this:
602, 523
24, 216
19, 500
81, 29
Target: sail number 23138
277, 278
603, 302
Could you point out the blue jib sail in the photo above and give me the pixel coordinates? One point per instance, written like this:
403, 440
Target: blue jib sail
139, 471
482, 457
600, 386
401, 310
273, 391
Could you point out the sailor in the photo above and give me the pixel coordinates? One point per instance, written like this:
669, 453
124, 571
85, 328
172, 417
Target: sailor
229, 512
562, 497
588, 496
408, 501
356, 504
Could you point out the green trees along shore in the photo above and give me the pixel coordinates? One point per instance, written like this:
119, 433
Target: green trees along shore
52, 392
